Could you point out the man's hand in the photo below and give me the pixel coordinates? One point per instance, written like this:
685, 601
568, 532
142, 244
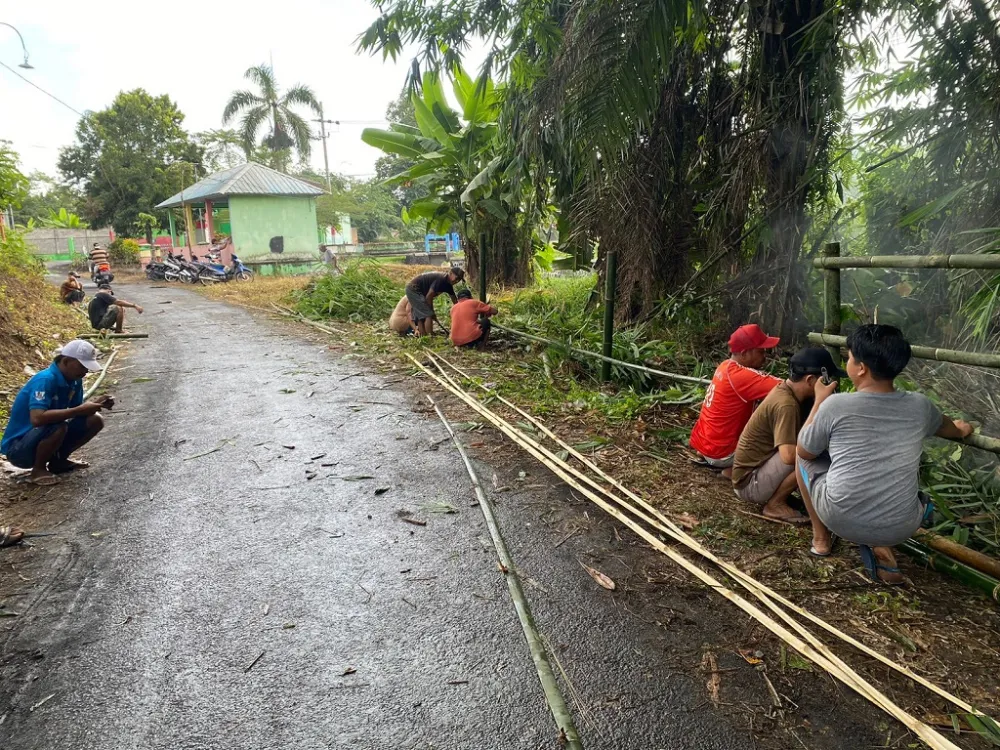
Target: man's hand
106, 401
964, 427
823, 391
138, 309
89, 407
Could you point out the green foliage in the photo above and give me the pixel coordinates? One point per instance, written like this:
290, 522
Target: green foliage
13, 184
123, 252
400, 112
373, 208
223, 149
63, 219
126, 158
16, 259
46, 196
268, 108
359, 293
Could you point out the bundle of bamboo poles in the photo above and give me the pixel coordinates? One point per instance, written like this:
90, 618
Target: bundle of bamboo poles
648, 522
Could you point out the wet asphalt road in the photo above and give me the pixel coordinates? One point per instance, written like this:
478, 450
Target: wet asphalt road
175, 576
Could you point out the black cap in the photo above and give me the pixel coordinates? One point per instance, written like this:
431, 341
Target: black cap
812, 361
464, 294
457, 272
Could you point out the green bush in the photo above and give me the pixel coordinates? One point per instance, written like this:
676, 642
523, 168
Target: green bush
359, 293
16, 258
123, 252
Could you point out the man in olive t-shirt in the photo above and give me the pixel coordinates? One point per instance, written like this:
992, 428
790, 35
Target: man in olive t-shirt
764, 461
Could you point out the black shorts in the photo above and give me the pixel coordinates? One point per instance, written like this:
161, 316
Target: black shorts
110, 319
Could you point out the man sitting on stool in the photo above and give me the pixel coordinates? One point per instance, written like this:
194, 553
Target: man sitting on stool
764, 462
107, 312
49, 418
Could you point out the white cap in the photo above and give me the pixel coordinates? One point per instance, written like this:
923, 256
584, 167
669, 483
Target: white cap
83, 352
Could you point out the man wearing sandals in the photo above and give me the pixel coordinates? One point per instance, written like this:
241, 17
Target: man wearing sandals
859, 453
764, 462
49, 419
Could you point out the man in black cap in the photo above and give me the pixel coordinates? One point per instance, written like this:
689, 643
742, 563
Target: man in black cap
764, 462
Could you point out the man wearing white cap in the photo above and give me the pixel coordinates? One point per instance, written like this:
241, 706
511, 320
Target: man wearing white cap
49, 418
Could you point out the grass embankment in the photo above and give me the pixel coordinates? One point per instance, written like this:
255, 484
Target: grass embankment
33, 323
639, 435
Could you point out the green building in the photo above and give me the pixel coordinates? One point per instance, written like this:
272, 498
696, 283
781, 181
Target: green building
270, 216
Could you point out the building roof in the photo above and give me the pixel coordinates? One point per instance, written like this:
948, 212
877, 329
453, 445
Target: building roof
246, 179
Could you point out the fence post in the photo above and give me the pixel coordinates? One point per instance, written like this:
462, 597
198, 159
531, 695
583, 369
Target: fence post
831, 298
482, 267
610, 284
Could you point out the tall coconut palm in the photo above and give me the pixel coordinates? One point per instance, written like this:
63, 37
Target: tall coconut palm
270, 109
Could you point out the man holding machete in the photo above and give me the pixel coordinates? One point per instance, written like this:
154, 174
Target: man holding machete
421, 292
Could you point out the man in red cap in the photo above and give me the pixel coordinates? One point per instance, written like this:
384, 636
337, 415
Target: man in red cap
730, 400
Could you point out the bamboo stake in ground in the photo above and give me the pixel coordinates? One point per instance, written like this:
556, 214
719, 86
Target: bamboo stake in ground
100, 378
754, 586
553, 696
813, 649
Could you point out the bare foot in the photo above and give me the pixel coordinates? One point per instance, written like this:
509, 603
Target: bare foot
65, 466
782, 511
821, 546
887, 569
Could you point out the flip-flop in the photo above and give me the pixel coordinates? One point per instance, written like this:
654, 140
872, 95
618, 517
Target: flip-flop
816, 553
872, 566
7, 535
59, 467
46, 481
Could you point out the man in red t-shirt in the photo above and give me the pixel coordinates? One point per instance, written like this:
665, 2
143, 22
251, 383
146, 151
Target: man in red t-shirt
736, 388
467, 328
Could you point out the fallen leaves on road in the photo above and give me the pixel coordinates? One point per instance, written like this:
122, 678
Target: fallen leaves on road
601, 579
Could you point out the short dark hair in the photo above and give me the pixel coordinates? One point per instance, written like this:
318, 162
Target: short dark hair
795, 375
457, 272
880, 348
464, 294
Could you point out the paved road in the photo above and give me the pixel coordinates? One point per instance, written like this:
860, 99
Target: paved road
177, 576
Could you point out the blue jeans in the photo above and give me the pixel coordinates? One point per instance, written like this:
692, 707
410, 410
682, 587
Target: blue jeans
23, 449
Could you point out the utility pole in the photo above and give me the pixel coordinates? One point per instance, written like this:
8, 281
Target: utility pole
323, 135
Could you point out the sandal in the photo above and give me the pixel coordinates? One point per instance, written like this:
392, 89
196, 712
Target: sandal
816, 553
46, 480
873, 566
10, 535
796, 519
66, 466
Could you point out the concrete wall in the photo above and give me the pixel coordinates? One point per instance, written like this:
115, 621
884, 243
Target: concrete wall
54, 243
257, 219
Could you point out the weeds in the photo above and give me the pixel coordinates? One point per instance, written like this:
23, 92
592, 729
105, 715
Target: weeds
360, 293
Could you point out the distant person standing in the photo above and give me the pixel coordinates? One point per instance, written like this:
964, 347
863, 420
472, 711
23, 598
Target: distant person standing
421, 292
98, 255
107, 312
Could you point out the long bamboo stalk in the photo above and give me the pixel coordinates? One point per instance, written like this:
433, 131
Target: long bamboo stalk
553, 696
595, 355
745, 580
113, 336
981, 261
944, 564
980, 359
100, 378
810, 648
983, 563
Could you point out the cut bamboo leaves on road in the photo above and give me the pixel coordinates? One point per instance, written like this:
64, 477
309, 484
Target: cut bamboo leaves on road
648, 523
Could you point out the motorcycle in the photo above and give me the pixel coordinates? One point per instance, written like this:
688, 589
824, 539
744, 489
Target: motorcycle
156, 270
235, 270
102, 274
180, 270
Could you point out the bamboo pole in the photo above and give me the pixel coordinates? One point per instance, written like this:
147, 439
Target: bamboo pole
980, 359
811, 647
763, 592
553, 696
972, 558
944, 564
595, 355
910, 261
113, 336
482, 267
100, 378
610, 286
831, 299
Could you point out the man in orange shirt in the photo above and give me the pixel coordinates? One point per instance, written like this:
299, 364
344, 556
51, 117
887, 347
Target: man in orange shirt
730, 400
467, 328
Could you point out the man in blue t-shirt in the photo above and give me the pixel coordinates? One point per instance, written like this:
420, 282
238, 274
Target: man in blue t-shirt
49, 418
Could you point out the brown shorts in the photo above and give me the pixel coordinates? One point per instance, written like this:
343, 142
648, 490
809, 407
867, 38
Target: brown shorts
760, 484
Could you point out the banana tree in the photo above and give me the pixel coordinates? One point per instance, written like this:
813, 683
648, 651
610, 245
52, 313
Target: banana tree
457, 157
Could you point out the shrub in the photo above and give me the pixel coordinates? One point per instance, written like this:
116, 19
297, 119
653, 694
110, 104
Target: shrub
123, 252
359, 293
16, 258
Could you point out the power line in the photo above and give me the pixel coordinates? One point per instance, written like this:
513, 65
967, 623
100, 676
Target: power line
48, 94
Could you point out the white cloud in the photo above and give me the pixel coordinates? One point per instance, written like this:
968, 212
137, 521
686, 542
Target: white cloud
196, 52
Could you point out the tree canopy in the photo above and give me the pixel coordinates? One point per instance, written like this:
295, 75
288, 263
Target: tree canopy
127, 158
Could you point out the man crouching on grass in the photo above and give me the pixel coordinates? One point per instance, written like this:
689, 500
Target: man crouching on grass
859, 453
49, 418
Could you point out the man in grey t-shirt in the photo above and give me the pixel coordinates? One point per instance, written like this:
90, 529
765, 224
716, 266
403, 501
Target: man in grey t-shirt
859, 453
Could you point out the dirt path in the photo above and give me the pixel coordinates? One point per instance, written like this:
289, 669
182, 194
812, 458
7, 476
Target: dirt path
231, 601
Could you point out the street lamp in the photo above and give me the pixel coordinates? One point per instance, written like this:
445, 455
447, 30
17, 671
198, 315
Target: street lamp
26, 65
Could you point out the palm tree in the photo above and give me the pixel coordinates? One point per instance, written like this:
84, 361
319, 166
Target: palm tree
271, 109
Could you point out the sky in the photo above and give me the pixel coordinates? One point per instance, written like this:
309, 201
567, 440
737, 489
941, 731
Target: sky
195, 52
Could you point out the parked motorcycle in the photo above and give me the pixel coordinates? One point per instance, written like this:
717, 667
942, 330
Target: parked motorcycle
235, 270
180, 269
156, 270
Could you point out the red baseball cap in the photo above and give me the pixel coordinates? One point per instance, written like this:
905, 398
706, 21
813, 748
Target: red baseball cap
750, 337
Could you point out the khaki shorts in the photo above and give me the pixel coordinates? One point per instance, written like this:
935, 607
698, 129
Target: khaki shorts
761, 483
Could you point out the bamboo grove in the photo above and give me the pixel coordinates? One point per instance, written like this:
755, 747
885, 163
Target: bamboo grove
716, 145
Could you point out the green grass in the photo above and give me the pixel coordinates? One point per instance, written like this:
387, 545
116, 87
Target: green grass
360, 293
